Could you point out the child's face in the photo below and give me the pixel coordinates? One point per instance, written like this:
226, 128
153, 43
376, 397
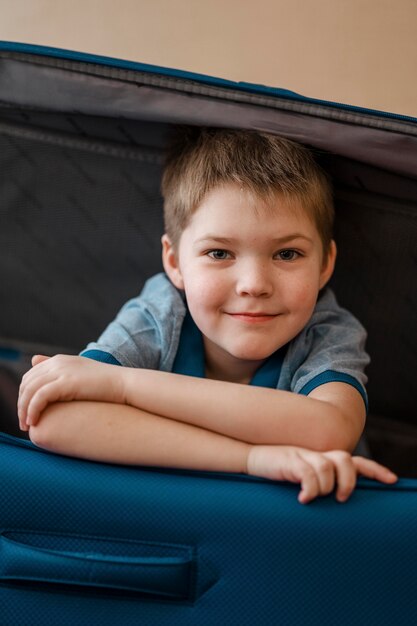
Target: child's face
251, 275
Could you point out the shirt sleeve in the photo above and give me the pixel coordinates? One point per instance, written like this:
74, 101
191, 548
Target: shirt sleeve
331, 348
145, 332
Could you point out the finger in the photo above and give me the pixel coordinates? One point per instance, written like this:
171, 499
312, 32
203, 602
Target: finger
38, 358
325, 471
372, 469
29, 376
296, 469
345, 474
21, 408
31, 381
21, 416
310, 487
22, 423
28, 389
45, 395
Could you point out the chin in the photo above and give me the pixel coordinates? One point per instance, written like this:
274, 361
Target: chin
252, 354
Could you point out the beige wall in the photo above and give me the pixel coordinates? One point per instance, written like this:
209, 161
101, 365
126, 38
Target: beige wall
361, 52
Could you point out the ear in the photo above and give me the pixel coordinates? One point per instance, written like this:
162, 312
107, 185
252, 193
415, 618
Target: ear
328, 265
170, 262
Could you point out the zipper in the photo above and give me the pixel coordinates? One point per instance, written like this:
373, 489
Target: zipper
261, 90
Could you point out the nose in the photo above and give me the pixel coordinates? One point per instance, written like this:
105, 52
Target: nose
254, 279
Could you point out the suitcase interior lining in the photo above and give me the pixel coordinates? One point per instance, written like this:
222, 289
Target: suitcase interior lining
81, 207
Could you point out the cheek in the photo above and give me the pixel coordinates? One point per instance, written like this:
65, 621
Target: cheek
203, 292
303, 294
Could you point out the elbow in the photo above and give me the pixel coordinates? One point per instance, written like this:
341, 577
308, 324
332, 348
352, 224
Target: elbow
45, 433
343, 434
334, 441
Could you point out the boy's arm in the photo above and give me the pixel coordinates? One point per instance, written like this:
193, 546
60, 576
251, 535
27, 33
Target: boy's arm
122, 434
332, 417
114, 433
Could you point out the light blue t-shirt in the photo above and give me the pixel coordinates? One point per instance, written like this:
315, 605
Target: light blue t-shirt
155, 331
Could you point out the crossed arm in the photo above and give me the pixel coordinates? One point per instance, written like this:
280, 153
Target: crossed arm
80, 407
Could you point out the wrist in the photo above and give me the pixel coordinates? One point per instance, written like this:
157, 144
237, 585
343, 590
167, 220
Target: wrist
141, 390
233, 456
269, 461
123, 386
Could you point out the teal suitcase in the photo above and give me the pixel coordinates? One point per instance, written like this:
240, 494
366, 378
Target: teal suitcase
81, 149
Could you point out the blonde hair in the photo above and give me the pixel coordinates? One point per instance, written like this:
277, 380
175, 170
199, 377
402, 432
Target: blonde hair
200, 159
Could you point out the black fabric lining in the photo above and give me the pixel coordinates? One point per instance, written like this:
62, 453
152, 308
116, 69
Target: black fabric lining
79, 233
378, 203
375, 279
67, 140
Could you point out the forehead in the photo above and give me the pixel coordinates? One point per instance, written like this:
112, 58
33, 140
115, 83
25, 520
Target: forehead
238, 208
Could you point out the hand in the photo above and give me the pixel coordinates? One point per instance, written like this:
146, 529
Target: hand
64, 378
318, 472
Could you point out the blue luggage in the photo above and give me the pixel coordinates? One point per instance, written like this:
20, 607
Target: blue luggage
89, 543
81, 149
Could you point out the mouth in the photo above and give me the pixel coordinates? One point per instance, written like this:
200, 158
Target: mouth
253, 318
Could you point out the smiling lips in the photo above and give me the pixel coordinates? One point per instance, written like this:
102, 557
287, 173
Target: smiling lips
252, 318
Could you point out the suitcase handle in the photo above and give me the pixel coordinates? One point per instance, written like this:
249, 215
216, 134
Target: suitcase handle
165, 576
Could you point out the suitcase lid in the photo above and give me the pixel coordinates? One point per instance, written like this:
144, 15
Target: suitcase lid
192, 76
54, 76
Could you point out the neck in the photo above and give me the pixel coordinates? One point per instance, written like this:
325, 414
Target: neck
228, 368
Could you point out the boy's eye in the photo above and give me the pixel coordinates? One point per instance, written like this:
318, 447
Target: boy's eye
288, 255
219, 255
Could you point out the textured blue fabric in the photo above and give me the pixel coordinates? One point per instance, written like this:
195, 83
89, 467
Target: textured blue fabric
258, 556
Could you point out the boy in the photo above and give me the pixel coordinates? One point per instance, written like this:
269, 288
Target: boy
278, 366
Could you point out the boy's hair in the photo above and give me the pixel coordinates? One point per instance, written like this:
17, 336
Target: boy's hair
200, 159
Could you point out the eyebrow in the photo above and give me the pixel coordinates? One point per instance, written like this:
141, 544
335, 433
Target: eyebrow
275, 240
